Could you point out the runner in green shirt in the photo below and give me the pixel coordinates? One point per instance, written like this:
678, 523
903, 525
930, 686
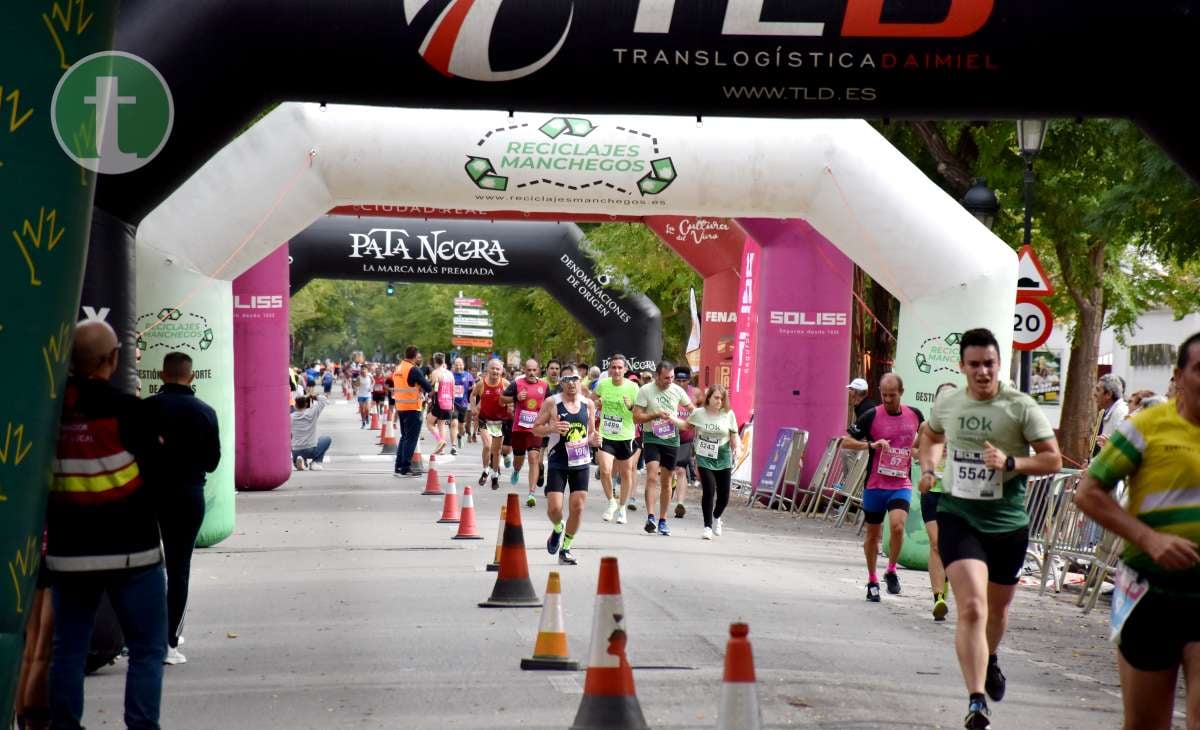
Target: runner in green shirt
657, 407
716, 431
929, 510
614, 397
986, 430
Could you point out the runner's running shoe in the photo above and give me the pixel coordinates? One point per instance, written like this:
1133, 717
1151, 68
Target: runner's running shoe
707, 534
940, 608
995, 683
495, 482
553, 542
873, 592
651, 525
680, 511
531, 500
663, 529
717, 525
483, 477
622, 518
893, 582
978, 716
566, 558
610, 510
516, 477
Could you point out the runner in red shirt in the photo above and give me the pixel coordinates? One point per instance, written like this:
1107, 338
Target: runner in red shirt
526, 396
485, 403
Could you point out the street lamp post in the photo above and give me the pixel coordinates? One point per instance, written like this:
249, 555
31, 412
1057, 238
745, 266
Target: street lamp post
1031, 134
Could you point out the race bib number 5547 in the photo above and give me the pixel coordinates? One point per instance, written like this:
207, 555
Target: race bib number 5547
970, 478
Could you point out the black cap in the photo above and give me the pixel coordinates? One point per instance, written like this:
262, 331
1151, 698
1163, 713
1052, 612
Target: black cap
683, 372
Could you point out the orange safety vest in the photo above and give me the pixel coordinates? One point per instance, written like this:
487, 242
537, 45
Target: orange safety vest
408, 397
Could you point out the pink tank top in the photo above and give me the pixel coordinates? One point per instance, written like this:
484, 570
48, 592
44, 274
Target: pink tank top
446, 392
891, 467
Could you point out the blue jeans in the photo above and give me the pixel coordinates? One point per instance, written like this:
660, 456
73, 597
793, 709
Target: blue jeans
410, 433
314, 453
139, 598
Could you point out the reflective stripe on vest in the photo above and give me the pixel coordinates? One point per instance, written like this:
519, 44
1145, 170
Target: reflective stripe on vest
83, 563
408, 397
92, 464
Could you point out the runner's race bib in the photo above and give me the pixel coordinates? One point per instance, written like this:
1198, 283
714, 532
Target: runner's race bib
707, 447
969, 478
894, 462
527, 419
578, 453
610, 425
458, 391
495, 429
663, 429
1128, 590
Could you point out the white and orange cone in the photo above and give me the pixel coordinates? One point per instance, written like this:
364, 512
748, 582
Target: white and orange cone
609, 699
450, 510
550, 649
739, 694
466, 518
387, 437
374, 421
432, 487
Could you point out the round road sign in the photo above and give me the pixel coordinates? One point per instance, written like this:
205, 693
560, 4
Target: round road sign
1032, 323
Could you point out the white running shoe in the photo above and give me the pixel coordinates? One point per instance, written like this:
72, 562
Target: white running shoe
717, 527
708, 533
610, 510
315, 466
174, 657
621, 518
299, 463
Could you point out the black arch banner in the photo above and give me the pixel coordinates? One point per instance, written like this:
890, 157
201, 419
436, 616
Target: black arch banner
978, 59
511, 253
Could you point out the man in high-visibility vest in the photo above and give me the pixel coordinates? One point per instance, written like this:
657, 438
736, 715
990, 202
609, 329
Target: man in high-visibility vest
102, 533
407, 383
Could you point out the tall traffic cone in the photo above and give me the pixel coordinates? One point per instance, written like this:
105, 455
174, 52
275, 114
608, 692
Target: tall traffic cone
550, 649
374, 420
387, 437
432, 487
739, 694
466, 518
512, 587
493, 566
450, 511
609, 699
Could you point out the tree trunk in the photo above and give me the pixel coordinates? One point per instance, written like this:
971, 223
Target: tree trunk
881, 342
1079, 408
858, 328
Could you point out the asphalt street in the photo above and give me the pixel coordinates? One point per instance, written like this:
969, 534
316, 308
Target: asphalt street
340, 602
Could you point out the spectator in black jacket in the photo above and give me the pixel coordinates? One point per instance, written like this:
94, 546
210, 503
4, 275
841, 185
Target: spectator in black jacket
102, 535
191, 448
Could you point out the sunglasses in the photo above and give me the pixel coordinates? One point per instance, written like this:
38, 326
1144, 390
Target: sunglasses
569, 379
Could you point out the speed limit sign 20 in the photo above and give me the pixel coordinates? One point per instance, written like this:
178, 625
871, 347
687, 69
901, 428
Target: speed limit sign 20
1032, 323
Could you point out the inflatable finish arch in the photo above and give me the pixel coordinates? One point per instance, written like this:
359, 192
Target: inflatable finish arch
482, 252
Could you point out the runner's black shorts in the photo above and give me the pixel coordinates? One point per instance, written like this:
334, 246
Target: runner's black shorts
460, 413
377, 397
438, 413
665, 455
557, 480
621, 450
683, 456
1155, 634
506, 427
929, 503
1004, 552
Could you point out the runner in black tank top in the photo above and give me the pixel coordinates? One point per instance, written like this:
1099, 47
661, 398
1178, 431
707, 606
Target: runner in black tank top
567, 419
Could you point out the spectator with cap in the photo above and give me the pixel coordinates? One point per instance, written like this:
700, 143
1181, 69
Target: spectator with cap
859, 400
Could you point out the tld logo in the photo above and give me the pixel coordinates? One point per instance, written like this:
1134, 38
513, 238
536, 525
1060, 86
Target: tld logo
262, 301
816, 319
459, 43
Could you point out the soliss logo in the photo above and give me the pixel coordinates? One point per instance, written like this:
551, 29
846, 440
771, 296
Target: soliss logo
460, 40
825, 319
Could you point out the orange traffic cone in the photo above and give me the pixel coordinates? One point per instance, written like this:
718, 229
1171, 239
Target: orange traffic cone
513, 588
739, 694
466, 518
374, 420
550, 649
609, 698
432, 487
493, 566
387, 437
450, 511
418, 464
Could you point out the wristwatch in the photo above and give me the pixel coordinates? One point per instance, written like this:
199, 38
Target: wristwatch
1010, 464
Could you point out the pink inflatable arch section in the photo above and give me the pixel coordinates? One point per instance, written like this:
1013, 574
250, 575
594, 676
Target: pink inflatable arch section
803, 336
260, 363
